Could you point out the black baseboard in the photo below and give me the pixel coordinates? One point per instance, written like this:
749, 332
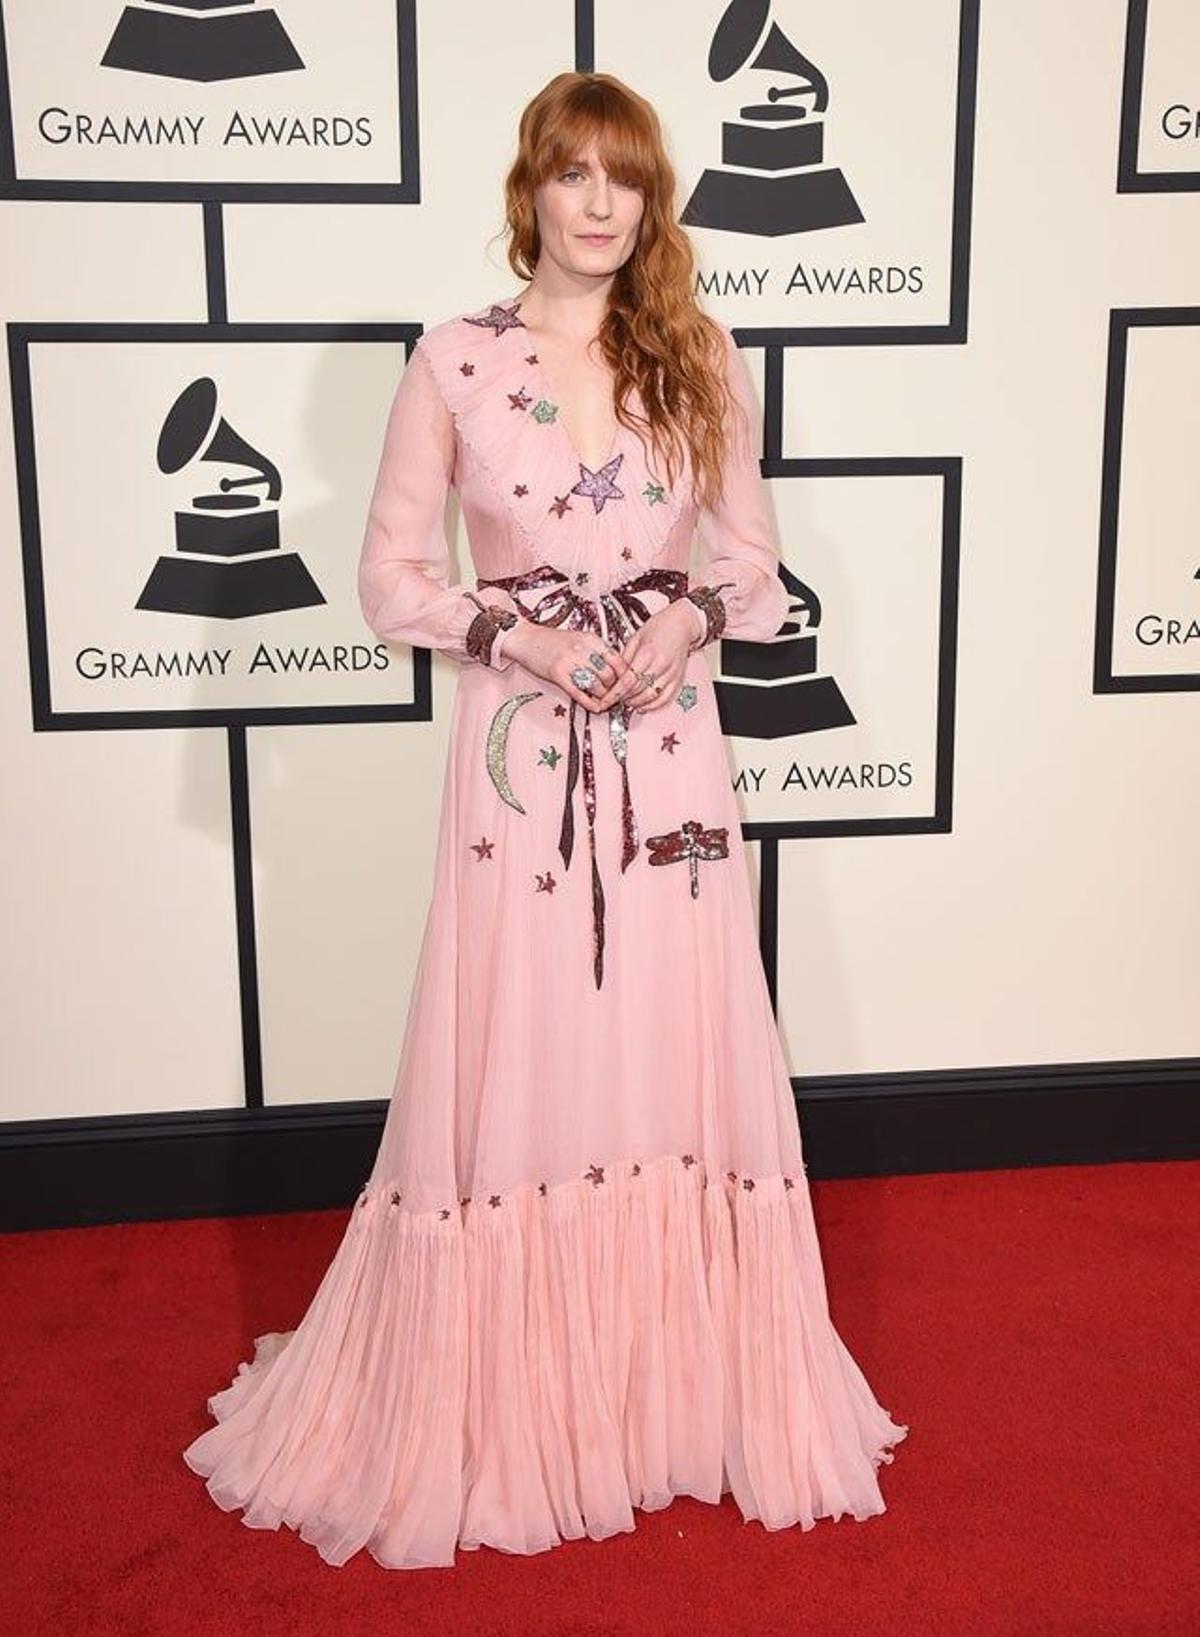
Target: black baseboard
134, 1168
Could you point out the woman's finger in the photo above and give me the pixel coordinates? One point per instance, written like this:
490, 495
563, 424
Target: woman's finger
651, 698
624, 688
606, 672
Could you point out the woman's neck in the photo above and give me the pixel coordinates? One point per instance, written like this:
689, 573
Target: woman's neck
570, 316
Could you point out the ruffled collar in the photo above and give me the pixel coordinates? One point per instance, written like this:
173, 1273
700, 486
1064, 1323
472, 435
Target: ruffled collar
612, 521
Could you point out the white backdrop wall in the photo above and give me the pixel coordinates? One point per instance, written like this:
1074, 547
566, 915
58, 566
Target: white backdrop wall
980, 774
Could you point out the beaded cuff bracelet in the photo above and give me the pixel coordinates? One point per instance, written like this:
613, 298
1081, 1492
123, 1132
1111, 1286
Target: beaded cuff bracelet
708, 600
481, 632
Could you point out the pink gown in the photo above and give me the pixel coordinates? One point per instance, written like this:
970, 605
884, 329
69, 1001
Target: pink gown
583, 1275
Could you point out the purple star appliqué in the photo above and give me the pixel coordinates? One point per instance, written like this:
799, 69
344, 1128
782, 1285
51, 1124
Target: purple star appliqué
599, 486
499, 319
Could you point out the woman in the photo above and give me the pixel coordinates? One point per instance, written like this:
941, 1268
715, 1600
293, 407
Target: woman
583, 1275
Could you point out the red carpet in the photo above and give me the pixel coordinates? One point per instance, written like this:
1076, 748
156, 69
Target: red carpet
1037, 1329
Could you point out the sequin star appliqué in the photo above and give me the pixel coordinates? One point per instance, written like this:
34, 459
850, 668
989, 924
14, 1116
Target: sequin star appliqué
599, 486
498, 319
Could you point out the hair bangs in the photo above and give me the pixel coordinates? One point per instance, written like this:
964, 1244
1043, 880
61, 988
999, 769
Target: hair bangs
625, 152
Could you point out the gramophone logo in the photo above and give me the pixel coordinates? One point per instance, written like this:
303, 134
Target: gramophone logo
227, 563
192, 40
771, 690
773, 178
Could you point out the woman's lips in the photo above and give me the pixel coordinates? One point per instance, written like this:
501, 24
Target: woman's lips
597, 238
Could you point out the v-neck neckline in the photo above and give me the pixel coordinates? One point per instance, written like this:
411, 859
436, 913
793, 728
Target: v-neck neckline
547, 389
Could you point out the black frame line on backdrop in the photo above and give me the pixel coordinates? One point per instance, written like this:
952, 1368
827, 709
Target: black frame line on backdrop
44, 718
1122, 320
953, 332
406, 190
946, 470
1130, 177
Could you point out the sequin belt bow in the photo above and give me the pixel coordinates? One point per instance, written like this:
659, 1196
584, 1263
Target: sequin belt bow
624, 611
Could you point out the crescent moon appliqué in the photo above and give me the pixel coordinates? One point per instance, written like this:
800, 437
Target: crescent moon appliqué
497, 744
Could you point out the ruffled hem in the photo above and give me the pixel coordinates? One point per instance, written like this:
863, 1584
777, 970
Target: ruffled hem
527, 1367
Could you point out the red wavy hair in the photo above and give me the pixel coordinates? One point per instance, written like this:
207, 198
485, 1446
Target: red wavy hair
653, 334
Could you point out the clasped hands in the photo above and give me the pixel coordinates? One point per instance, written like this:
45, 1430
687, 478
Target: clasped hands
659, 648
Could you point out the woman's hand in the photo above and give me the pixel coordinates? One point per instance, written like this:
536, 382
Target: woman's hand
552, 652
660, 648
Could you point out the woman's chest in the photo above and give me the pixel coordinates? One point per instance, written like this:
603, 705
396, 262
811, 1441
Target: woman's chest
582, 391
534, 487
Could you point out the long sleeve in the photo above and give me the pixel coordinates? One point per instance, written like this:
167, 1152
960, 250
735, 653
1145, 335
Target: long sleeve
739, 532
403, 571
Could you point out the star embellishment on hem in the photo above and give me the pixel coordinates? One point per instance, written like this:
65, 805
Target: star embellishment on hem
669, 741
545, 883
499, 319
467, 369
519, 399
560, 504
600, 485
520, 490
483, 848
654, 495
550, 757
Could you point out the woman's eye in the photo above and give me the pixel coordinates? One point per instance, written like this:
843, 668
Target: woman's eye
618, 181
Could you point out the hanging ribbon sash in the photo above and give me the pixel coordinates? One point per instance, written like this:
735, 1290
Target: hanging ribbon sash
624, 611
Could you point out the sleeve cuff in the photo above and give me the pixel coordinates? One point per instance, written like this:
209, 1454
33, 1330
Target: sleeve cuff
501, 661
699, 618
476, 601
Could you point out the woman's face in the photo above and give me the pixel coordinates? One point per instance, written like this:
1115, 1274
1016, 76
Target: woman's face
588, 221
